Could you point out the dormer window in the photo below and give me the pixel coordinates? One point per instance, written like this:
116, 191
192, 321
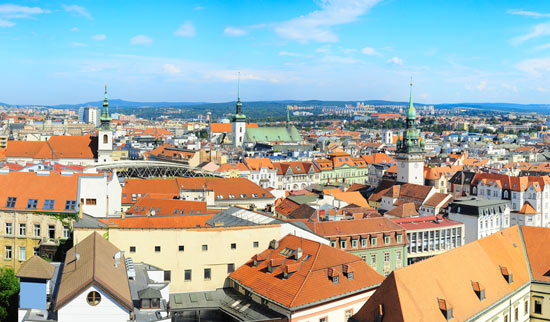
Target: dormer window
445, 309
32, 203
335, 279
231, 196
508, 276
479, 290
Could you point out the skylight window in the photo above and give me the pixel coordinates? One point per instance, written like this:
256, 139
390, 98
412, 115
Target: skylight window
32, 203
70, 205
48, 204
11, 202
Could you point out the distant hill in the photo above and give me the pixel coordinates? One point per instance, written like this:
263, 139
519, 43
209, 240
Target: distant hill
122, 103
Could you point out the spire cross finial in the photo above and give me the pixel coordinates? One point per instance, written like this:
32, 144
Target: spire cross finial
239, 86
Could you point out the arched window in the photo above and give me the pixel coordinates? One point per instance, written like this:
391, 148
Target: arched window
105, 139
474, 190
93, 298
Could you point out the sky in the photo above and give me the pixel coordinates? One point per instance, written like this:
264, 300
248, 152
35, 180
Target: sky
61, 52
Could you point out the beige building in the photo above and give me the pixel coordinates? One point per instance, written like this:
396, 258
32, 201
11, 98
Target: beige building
201, 250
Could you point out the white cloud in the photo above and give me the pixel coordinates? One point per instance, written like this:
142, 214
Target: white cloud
141, 40
288, 53
482, 85
510, 87
235, 32
13, 11
533, 14
186, 30
542, 47
199, 8
78, 44
338, 59
6, 23
75, 29
369, 51
171, 69
542, 29
99, 37
78, 10
535, 66
395, 60
17, 11
316, 25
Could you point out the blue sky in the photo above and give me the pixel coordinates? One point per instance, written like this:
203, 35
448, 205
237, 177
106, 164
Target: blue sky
456, 51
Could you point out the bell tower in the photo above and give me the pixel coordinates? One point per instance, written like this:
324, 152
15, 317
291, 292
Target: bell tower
105, 134
410, 150
239, 119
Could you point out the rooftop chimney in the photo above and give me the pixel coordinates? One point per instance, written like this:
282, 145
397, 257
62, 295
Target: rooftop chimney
274, 244
298, 254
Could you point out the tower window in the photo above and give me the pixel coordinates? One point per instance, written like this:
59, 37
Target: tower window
105, 139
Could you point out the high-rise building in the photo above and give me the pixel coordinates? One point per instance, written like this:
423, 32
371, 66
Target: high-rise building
410, 150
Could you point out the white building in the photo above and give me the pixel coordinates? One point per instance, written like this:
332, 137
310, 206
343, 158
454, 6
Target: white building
481, 217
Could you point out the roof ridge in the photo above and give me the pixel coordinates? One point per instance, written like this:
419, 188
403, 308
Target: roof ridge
307, 275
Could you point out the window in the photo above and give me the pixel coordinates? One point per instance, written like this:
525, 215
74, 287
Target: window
516, 314
386, 257
48, 204
505, 317
230, 268
91, 201
157, 249
36, 230
373, 241
256, 244
538, 305
387, 239
51, 231
399, 238
22, 229
11, 202
32, 203
354, 243
181, 248
132, 249
343, 244
398, 256
187, 274
349, 314
325, 319
233, 246
363, 242
373, 259
9, 230
7, 255
93, 298
22, 254
167, 276
36, 251
525, 306
207, 274
204, 248
70, 205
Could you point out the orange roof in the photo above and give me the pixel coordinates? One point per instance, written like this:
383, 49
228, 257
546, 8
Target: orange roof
25, 186
338, 228
527, 209
57, 147
352, 197
226, 127
309, 284
377, 158
255, 164
158, 221
224, 188
166, 206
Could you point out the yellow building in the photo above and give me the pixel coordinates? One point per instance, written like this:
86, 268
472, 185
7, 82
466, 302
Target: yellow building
199, 258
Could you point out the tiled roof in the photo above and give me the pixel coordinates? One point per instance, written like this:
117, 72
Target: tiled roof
425, 222
296, 167
179, 221
354, 227
412, 293
166, 206
57, 147
31, 185
286, 207
527, 209
353, 197
307, 282
227, 127
377, 158
404, 210
437, 199
224, 188
95, 265
36, 267
536, 241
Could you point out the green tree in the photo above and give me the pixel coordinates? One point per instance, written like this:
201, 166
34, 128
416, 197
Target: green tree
9, 291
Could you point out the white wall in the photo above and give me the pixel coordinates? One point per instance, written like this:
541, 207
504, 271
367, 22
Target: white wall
106, 311
288, 228
333, 311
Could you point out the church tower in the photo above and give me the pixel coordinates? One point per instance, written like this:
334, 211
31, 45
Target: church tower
410, 150
105, 133
239, 119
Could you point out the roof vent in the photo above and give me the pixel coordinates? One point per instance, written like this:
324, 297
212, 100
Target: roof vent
479, 290
274, 263
117, 257
274, 244
298, 254
508, 276
445, 308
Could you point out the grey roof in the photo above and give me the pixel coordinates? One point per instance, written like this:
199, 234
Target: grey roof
302, 199
149, 293
88, 221
236, 216
475, 206
227, 300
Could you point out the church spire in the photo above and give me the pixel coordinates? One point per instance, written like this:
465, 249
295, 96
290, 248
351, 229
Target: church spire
105, 117
239, 106
411, 111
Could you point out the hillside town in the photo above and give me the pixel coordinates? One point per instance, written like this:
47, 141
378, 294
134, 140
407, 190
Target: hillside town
110, 217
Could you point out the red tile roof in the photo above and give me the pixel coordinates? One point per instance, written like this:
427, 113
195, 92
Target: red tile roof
309, 283
158, 221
